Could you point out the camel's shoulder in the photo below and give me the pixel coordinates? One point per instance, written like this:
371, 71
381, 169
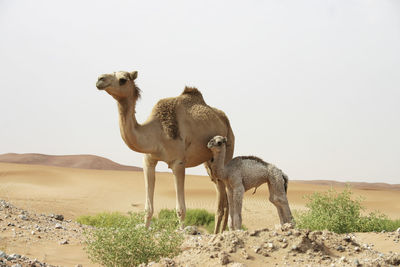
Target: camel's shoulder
165, 111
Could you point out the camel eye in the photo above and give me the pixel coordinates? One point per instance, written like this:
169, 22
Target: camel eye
122, 81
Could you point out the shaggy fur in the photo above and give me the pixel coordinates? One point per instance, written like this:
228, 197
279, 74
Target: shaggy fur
166, 113
165, 109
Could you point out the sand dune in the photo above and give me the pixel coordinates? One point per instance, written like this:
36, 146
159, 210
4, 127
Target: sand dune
73, 192
69, 161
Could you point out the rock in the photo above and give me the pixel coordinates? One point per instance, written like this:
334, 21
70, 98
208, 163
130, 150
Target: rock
270, 246
23, 217
244, 254
393, 260
58, 226
347, 238
12, 257
59, 217
191, 230
2, 254
16, 265
340, 248
398, 230
237, 264
296, 233
287, 226
357, 249
64, 242
254, 233
224, 258
356, 262
167, 262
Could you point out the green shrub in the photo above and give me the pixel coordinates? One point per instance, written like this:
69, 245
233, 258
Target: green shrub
127, 242
198, 217
376, 222
340, 213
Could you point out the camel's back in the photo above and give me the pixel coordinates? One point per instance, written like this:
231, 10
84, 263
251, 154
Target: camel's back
252, 170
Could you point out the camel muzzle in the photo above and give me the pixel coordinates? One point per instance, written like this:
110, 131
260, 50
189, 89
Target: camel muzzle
100, 85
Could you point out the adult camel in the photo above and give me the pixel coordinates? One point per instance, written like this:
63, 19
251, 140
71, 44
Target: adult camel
176, 132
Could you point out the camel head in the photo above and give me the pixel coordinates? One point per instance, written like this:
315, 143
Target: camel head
216, 142
119, 85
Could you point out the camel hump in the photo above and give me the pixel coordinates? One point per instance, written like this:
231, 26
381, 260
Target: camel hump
192, 95
191, 91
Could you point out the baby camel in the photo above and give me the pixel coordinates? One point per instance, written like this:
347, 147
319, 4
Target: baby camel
243, 173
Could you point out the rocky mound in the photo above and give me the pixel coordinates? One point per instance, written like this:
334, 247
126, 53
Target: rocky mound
282, 246
17, 224
68, 161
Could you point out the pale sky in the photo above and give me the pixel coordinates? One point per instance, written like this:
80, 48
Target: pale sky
311, 86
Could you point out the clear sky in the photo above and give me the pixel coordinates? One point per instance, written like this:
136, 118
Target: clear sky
311, 86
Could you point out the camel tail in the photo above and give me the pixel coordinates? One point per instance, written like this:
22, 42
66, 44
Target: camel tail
286, 179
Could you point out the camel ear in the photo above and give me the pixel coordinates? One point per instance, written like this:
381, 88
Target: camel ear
225, 140
133, 75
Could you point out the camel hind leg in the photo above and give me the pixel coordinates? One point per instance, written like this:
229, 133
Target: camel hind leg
277, 195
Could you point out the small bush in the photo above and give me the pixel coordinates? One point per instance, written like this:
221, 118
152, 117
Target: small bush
121, 240
198, 217
376, 222
340, 213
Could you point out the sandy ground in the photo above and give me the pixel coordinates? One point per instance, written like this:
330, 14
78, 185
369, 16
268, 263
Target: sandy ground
75, 192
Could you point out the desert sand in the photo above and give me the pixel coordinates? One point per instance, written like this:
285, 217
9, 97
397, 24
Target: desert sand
73, 192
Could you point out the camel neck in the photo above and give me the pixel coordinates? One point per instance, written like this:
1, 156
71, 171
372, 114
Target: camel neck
218, 164
136, 136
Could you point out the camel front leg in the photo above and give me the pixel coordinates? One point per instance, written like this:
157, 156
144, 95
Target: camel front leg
237, 201
222, 213
235, 198
178, 169
149, 170
231, 220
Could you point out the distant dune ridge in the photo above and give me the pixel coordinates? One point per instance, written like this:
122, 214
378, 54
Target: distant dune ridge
68, 161
99, 163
